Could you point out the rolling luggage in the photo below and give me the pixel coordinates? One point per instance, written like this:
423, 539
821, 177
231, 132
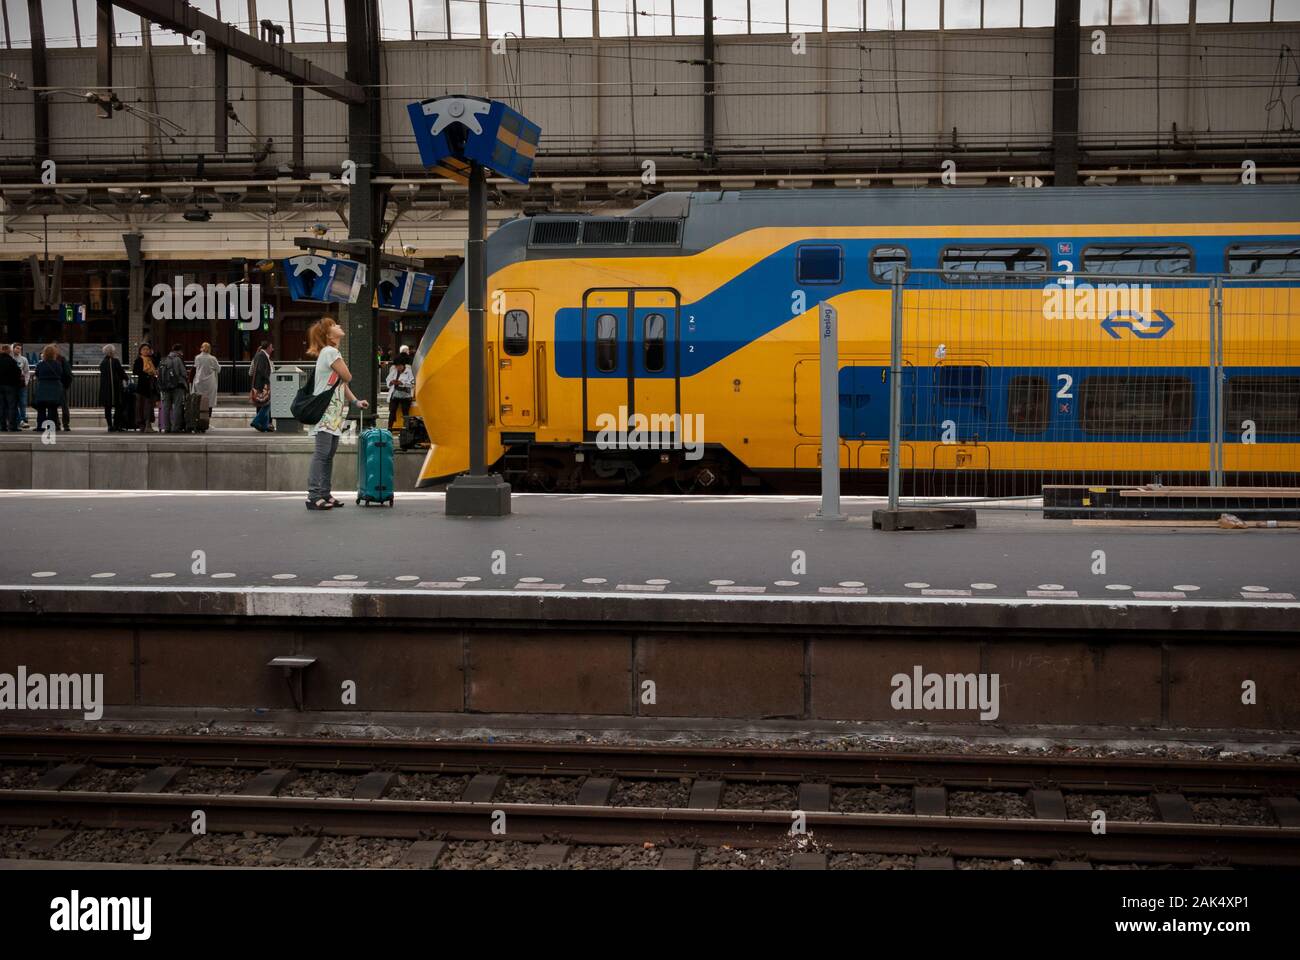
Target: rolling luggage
198, 415
374, 465
125, 417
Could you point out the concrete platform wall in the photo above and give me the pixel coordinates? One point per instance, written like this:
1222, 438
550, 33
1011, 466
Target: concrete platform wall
1066, 675
179, 463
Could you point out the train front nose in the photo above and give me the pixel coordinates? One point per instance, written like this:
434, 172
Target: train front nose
441, 389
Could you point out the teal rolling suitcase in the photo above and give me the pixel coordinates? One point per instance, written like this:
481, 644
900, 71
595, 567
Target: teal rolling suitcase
374, 466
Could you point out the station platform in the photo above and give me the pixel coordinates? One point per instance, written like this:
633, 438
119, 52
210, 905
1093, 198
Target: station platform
730, 607
230, 455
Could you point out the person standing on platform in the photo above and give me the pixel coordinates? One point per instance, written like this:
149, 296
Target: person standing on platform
21, 358
49, 388
146, 387
65, 369
260, 392
206, 369
112, 386
10, 377
331, 373
400, 382
172, 383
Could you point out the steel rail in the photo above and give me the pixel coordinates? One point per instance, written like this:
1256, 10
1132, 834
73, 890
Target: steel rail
726, 763
1123, 842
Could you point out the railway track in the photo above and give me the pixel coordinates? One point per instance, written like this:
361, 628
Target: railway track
1171, 787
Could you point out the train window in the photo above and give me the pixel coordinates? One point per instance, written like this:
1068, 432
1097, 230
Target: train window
1138, 258
820, 264
1136, 404
606, 342
888, 263
652, 342
960, 386
514, 335
1027, 404
1272, 403
1264, 260
984, 259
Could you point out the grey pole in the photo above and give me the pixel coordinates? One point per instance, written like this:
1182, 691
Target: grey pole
895, 388
475, 295
477, 493
829, 328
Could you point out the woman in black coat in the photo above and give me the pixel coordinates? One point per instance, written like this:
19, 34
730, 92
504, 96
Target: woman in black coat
146, 387
112, 384
49, 388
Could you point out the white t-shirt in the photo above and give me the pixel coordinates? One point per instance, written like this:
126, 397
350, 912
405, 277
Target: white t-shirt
326, 378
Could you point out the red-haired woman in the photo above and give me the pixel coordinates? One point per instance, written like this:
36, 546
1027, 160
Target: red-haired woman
331, 374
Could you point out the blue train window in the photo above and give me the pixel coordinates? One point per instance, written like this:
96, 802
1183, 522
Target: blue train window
820, 264
606, 342
888, 263
1136, 404
1140, 258
652, 342
1264, 260
514, 336
1027, 404
957, 261
1271, 403
960, 386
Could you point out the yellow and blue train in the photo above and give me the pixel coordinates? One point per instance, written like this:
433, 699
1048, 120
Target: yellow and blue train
676, 348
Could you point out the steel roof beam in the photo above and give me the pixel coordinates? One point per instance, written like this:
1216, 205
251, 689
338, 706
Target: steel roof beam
271, 57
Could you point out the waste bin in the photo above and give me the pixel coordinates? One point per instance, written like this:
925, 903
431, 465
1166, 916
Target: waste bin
284, 387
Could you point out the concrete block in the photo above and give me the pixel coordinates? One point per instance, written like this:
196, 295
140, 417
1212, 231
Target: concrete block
121, 467
236, 468
15, 467
181, 468
56, 467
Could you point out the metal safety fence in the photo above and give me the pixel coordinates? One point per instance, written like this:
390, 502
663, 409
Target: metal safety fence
1003, 383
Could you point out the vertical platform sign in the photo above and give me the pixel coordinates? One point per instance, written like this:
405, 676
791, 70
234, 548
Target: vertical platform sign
828, 328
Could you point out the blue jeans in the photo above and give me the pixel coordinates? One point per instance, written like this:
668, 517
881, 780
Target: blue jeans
22, 404
8, 408
262, 419
321, 473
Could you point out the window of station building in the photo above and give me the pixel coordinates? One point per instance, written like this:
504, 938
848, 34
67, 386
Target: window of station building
1264, 260
1143, 405
888, 262
820, 264
958, 261
606, 342
1138, 258
1027, 404
652, 339
514, 333
1271, 403
960, 385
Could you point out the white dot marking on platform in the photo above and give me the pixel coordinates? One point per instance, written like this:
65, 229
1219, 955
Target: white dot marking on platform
532, 579
659, 582
42, 574
852, 583
916, 585
284, 576
1051, 586
983, 586
102, 576
787, 583
1255, 589
721, 583
161, 576
1186, 587
345, 576
594, 580
222, 576
407, 577
1118, 586
469, 579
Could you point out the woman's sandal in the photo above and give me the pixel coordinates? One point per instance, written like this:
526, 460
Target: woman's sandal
321, 504
336, 503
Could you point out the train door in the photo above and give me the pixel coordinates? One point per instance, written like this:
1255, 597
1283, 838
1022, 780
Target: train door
516, 369
961, 402
655, 391
606, 350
